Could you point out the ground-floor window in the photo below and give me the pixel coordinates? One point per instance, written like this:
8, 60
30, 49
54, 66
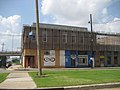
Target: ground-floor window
108, 59
115, 59
82, 60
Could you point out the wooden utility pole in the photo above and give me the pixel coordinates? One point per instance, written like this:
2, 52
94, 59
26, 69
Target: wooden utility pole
38, 43
91, 35
92, 57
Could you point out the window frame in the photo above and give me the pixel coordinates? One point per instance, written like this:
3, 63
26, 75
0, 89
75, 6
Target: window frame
44, 35
73, 38
64, 37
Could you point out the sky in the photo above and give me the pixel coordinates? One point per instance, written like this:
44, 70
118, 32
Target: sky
15, 13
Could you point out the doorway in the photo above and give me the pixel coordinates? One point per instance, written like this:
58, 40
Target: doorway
102, 62
73, 62
30, 62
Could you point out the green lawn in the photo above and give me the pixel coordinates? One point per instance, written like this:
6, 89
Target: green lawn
75, 77
3, 76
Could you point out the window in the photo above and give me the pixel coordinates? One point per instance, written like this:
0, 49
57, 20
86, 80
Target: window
73, 38
64, 37
82, 61
108, 59
44, 36
115, 59
116, 53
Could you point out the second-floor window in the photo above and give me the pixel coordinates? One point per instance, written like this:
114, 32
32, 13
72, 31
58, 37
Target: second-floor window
64, 37
44, 36
73, 38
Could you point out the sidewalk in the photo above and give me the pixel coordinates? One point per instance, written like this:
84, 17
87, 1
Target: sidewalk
18, 80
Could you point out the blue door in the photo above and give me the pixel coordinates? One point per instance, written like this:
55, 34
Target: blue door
67, 59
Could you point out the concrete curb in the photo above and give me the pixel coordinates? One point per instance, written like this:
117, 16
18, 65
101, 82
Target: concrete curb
84, 87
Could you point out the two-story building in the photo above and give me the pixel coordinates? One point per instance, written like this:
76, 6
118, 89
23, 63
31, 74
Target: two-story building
67, 46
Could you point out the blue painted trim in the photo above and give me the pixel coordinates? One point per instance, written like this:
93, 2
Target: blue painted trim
77, 59
67, 58
89, 56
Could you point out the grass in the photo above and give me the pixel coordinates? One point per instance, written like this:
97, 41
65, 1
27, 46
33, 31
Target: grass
75, 77
3, 76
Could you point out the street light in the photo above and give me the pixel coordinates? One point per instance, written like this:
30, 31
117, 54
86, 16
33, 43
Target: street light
37, 39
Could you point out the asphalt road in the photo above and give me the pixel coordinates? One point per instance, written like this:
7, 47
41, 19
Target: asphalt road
109, 89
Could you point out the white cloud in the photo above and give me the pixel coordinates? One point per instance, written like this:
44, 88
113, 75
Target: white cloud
10, 26
76, 12
113, 26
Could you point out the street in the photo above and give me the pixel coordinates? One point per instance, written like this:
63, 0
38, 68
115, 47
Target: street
110, 89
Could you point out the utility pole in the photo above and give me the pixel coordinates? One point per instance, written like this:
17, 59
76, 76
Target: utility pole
91, 35
92, 57
91, 43
3, 46
38, 43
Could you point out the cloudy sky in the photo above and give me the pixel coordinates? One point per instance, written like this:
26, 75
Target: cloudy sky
15, 13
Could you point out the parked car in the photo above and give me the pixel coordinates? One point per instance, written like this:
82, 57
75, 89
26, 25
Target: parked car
8, 64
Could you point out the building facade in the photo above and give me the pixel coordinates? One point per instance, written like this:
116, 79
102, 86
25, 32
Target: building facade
68, 46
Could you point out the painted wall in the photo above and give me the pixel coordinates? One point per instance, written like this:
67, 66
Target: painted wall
67, 58
49, 60
62, 58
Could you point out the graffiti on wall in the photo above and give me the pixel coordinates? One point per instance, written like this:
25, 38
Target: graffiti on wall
47, 59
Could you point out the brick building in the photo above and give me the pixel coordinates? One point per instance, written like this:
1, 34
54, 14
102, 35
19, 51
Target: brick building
67, 46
